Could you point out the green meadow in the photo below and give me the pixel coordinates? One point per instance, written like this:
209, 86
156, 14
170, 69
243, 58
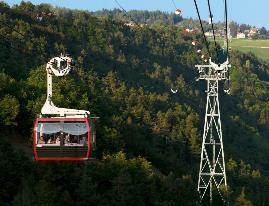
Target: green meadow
258, 47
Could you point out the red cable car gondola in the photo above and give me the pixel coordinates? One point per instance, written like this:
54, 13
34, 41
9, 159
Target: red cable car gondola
178, 12
60, 133
62, 139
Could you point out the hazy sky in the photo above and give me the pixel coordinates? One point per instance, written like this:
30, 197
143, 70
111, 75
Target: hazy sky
254, 12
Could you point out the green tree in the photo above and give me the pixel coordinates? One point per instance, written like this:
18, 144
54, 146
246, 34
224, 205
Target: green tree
241, 200
9, 110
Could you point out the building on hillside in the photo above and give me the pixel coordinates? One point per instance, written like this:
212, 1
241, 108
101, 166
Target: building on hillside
130, 24
133, 24
252, 32
241, 36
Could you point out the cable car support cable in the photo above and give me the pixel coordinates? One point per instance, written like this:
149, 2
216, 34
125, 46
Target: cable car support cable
202, 27
4, 23
15, 30
226, 27
212, 24
174, 4
126, 13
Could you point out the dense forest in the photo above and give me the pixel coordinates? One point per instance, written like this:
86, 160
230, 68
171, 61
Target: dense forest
148, 139
159, 18
142, 17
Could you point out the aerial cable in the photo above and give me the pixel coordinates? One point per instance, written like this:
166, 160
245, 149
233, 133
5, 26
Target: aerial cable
212, 26
12, 28
177, 10
10, 41
201, 24
174, 4
120, 6
227, 43
226, 28
126, 13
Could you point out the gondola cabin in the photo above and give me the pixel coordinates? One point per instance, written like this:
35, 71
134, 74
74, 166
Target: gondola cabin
61, 133
63, 139
178, 12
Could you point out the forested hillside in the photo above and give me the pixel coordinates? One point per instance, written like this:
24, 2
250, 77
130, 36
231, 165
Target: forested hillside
152, 18
142, 17
148, 139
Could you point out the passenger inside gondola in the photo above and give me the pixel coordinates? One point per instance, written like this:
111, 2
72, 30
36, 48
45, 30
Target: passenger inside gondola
41, 140
82, 140
58, 140
68, 134
67, 139
74, 139
52, 140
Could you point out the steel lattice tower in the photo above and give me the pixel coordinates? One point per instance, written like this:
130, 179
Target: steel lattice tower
212, 172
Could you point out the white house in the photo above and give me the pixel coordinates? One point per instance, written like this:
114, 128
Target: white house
130, 24
252, 32
241, 36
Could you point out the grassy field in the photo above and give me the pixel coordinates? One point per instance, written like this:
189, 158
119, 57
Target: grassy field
259, 47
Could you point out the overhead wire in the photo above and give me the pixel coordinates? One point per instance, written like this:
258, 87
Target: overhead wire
202, 27
226, 27
227, 39
174, 4
4, 23
212, 26
15, 30
213, 29
120, 6
126, 13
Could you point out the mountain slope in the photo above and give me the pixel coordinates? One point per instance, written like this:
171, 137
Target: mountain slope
148, 139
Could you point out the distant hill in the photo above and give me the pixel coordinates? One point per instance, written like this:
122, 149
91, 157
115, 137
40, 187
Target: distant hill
165, 18
144, 17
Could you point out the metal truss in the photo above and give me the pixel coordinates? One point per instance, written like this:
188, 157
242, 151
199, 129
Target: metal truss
212, 174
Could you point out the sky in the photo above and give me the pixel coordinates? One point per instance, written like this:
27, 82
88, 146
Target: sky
251, 12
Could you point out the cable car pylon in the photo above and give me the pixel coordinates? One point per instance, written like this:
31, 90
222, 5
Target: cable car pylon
212, 172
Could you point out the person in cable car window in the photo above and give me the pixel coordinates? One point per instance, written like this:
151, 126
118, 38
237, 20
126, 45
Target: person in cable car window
46, 139
41, 140
67, 139
75, 139
52, 140
58, 140
82, 140
71, 139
